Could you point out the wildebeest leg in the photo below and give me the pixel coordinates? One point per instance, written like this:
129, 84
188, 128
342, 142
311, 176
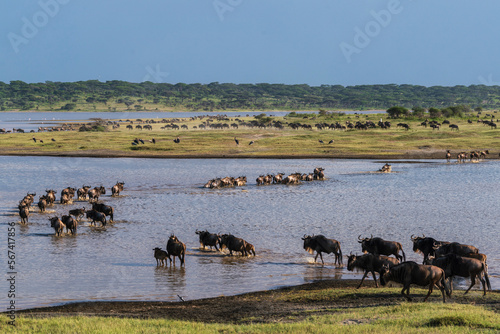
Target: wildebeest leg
442, 287
375, 279
431, 288
407, 295
362, 279
472, 283
321, 256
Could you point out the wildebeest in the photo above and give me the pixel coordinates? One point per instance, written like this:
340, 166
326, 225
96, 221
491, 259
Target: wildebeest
69, 192
57, 224
208, 239
425, 245
240, 181
370, 263
82, 192
455, 248
319, 173
71, 224
455, 265
278, 178
42, 203
176, 248
78, 213
115, 191
106, 209
24, 213
379, 246
160, 256
28, 199
66, 199
96, 216
321, 244
250, 249
410, 272
51, 196
95, 193
234, 244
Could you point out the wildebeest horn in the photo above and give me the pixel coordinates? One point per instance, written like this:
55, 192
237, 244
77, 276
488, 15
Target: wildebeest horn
423, 235
371, 236
413, 237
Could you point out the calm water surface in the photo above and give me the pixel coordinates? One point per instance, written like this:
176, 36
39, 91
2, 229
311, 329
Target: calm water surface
446, 201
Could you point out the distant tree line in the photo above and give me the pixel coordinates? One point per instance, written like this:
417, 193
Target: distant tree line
261, 96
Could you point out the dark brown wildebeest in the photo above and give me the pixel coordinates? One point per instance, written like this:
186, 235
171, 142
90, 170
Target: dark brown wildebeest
278, 178
69, 192
71, 224
453, 126
82, 193
51, 196
250, 249
455, 265
319, 173
379, 246
28, 199
57, 224
479, 256
160, 256
42, 203
234, 244
260, 180
240, 181
66, 199
96, 216
408, 273
78, 213
176, 248
115, 191
106, 209
321, 244
208, 239
292, 179
370, 263
95, 193
425, 245
24, 213
448, 155
455, 248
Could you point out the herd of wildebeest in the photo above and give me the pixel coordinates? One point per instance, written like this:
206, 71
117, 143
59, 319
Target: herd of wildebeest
441, 260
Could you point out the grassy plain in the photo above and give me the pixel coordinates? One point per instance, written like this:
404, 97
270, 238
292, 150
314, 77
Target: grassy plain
396, 142
323, 307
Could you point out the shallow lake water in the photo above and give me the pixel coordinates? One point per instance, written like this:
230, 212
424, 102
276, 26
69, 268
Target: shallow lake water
454, 202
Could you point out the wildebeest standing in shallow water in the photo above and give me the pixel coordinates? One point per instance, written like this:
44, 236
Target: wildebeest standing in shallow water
176, 248
115, 191
71, 224
208, 239
96, 216
321, 244
57, 224
235, 244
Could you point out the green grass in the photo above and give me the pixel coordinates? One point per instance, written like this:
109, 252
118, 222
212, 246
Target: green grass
268, 142
403, 318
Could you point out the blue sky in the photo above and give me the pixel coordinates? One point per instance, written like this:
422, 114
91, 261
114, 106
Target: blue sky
450, 42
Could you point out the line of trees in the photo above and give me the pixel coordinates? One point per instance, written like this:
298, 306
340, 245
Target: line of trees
261, 96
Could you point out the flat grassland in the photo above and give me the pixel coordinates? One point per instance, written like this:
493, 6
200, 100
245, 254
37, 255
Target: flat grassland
323, 307
418, 142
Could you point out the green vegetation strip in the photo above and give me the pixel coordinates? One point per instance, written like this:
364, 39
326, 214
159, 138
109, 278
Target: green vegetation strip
404, 318
396, 142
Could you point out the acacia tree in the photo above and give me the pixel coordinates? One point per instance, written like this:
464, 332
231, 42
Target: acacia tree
397, 111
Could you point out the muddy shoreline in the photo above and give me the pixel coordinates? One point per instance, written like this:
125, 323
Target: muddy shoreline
263, 306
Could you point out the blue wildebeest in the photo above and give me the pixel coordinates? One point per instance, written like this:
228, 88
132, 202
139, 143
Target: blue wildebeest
234, 244
321, 244
115, 191
208, 239
71, 224
379, 246
57, 224
370, 263
176, 248
455, 248
106, 209
455, 265
82, 192
96, 216
95, 193
410, 272
160, 256
426, 246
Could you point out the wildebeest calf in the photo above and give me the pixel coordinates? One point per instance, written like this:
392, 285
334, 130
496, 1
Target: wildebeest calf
160, 256
370, 263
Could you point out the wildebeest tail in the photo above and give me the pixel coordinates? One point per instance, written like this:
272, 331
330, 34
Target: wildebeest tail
443, 282
487, 279
402, 251
340, 256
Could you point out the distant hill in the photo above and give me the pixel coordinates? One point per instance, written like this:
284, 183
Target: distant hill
120, 95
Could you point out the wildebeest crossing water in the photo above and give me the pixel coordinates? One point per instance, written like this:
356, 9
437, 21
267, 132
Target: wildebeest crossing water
452, 202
